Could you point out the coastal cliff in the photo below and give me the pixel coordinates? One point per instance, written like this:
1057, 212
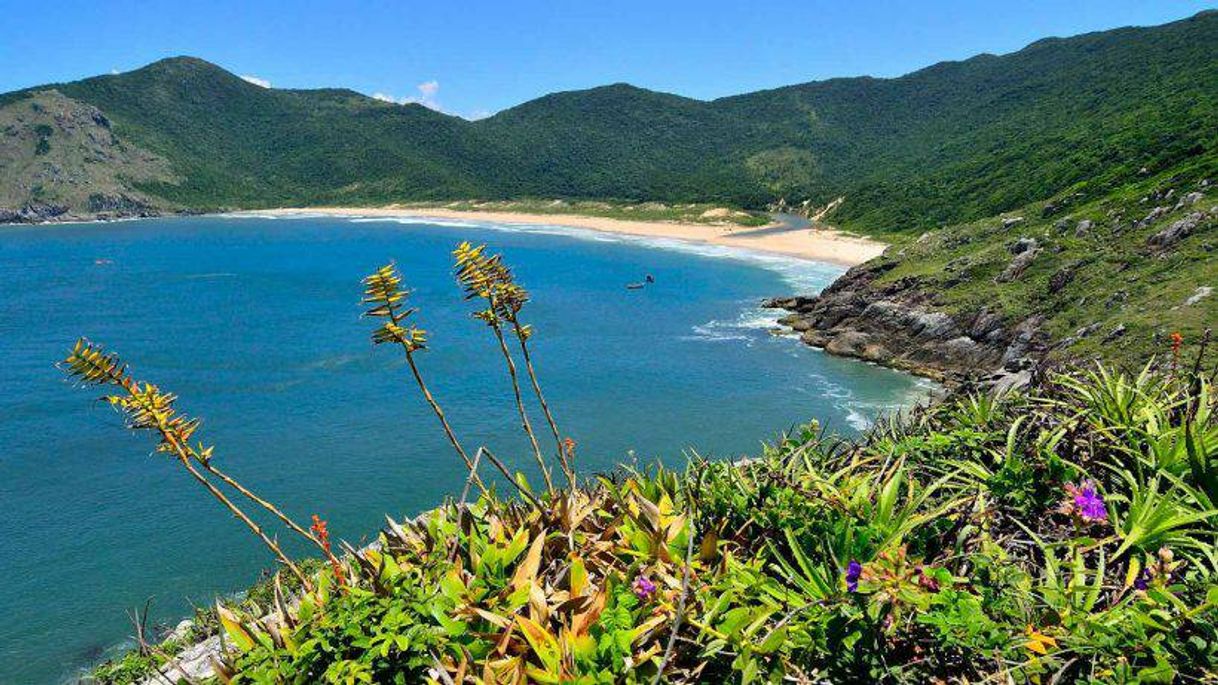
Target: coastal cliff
898, 325
1098, 271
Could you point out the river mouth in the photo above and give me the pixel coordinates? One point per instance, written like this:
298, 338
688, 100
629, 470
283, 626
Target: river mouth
255, 324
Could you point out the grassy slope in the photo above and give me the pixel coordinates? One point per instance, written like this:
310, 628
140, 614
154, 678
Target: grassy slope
1108, 276
61, 152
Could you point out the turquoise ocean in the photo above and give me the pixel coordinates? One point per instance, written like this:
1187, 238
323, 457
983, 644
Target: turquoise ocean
255, 323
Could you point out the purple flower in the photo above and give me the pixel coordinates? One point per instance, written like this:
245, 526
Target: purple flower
643, 588
1085, 501
854, 570
1142, 582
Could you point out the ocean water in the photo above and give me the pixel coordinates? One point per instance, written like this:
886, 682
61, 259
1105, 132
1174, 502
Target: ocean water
256, 324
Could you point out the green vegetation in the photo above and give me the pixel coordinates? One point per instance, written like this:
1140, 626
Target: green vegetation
43, 145
691, 213
951, 143
1064, 534
61, 151
150, 656
1102, 276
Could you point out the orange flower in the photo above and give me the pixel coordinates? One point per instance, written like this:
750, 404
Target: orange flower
319, 529
323, 536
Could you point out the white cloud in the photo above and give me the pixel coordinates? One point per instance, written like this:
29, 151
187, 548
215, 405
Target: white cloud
426, 96
257, 81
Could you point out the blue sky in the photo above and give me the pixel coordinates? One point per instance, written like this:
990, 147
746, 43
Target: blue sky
473, 58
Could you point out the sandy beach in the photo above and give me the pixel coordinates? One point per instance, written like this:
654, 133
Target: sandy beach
823, 245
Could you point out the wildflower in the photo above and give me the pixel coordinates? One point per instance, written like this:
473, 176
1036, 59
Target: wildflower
643, 588
568, 447
323, 536
319, 529
926, 581
1177, 341
1084, 501
1038, 642
1142, 582
854, 570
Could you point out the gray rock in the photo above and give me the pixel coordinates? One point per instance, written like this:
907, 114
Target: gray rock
1176, 231
1028, 338
1022, 245
1018, 265
1115, 333
1084, 227
1010, 221
1061, 278
194, 664
1154, 215
1199, 294
985, 325
1002, 383
1087, 330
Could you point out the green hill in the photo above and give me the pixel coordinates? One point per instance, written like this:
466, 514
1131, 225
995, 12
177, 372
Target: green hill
953, 142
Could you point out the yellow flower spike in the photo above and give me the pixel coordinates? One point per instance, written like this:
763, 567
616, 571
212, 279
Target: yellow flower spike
1038, 642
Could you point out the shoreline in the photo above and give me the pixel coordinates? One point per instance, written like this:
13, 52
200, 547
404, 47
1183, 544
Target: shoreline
821, 245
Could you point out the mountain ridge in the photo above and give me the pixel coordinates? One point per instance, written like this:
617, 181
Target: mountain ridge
954, 141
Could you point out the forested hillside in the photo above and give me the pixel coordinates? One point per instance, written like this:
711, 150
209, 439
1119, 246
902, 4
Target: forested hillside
953, 142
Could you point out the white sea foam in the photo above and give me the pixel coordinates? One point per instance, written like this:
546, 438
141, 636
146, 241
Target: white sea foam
220, 274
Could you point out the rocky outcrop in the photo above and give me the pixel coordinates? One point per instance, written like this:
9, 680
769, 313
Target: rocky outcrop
1025, 251
100, 208
1176, 231
61, 160
897, 325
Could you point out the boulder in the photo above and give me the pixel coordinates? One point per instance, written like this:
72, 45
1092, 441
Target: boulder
1008, 222
1115, 333
1084, 227
1154, 215
1175, 232
1028, 338
1087, 330
848, 343
1061, 278
1018, 265
985, 325
1199, 294
1022, 245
